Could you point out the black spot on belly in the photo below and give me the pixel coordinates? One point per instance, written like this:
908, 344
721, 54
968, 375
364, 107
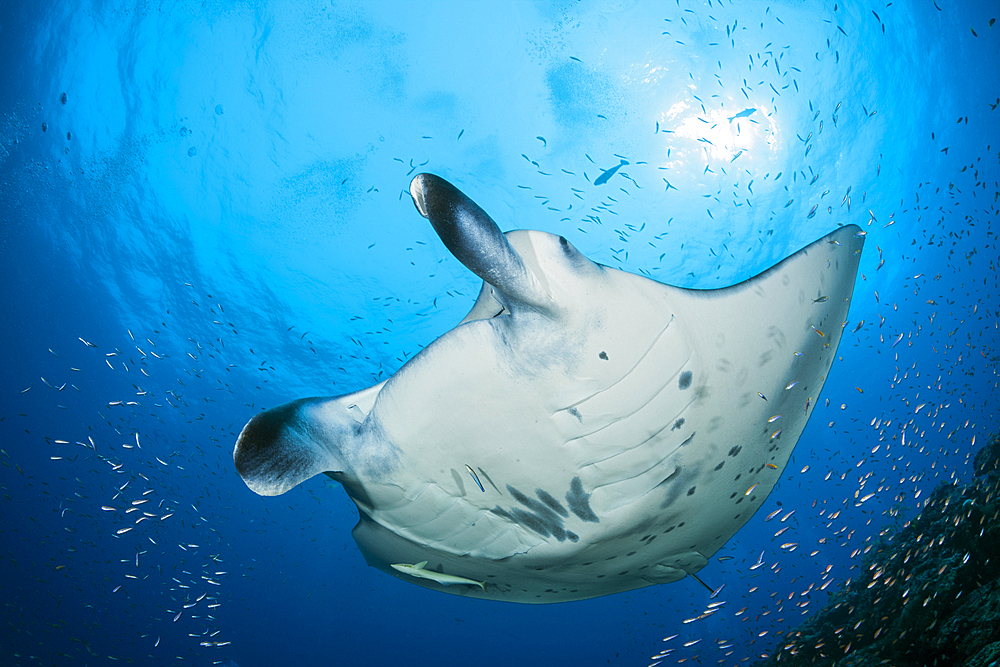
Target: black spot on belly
735, 451
603, 355
677, 424
719, 467
685, 380
691, 491
499, 511
579, 502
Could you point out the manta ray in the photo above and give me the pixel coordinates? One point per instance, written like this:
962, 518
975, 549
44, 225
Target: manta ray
583, 430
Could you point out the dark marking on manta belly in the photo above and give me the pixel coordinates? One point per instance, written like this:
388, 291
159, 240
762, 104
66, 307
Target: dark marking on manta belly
579, 502
677, 424
544, 516
539, 524
685, 380
603, 355
553, 504
672, 475
674, 488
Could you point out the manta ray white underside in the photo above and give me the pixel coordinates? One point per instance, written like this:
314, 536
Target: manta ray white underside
583, 431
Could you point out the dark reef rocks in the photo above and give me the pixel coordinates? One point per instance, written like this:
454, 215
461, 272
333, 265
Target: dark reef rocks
928, 595
987, 461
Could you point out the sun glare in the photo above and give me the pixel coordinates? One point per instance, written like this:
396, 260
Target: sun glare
737, 134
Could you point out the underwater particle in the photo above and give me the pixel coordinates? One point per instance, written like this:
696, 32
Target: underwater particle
219, 110
192, 151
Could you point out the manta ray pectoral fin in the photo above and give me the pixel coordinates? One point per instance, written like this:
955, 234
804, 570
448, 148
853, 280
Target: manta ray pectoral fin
476, 241
284, 446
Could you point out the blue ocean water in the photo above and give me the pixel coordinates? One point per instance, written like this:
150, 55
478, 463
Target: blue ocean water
204, 213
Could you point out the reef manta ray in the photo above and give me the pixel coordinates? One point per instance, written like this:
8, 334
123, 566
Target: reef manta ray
583, 431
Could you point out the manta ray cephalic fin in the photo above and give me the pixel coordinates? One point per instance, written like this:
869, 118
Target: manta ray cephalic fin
476, 241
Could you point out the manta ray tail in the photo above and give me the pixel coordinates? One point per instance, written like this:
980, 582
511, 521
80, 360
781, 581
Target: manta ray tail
696, 578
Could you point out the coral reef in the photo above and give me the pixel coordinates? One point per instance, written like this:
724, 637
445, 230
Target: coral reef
928, 595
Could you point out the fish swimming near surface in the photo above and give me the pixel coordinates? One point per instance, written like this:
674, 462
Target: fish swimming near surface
608, 173
615, 421
743, 114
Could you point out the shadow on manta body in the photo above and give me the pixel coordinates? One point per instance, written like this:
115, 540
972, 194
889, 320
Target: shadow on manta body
583, 431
